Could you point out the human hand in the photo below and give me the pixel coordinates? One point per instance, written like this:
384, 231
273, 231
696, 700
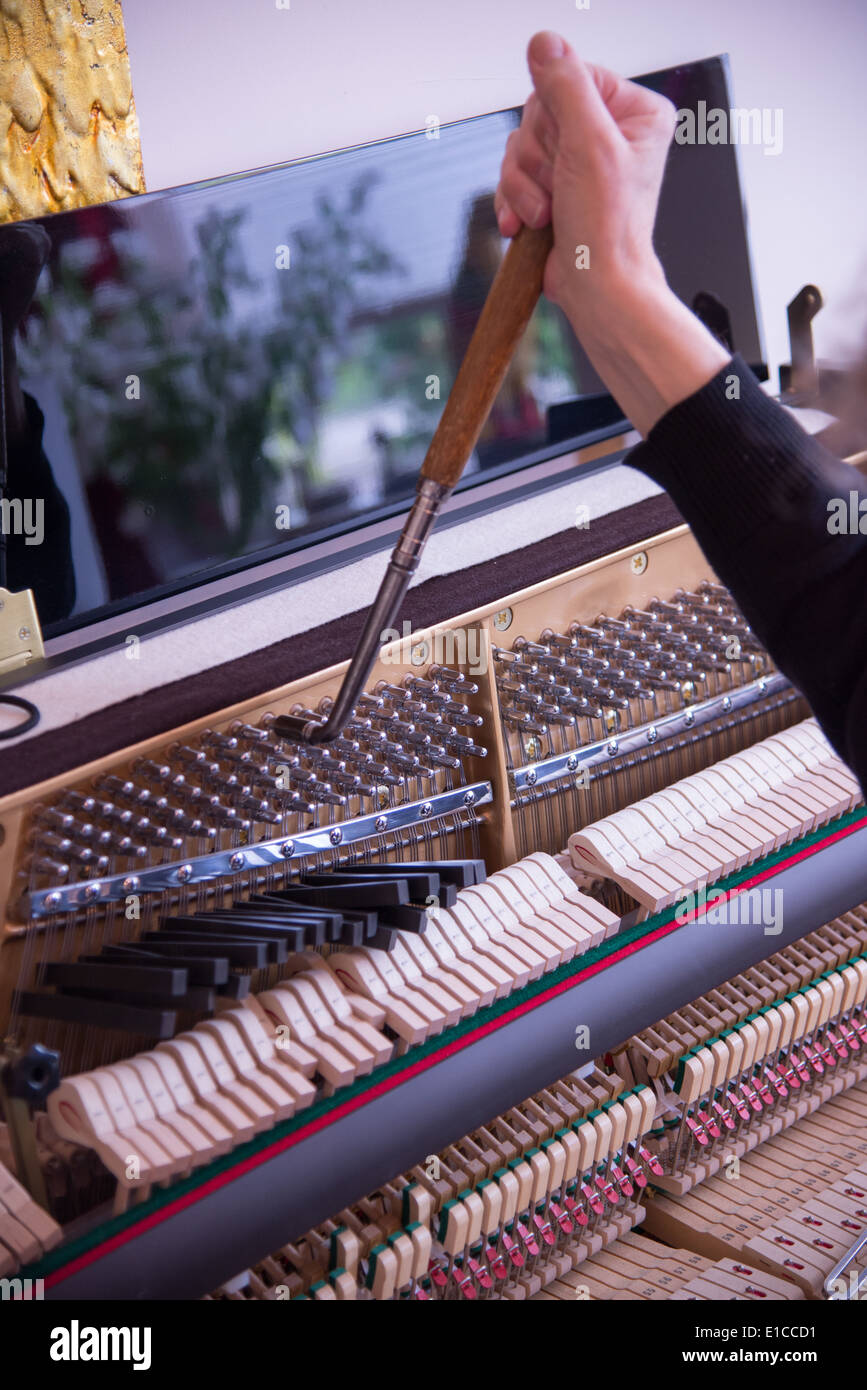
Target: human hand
591, 149
590, 155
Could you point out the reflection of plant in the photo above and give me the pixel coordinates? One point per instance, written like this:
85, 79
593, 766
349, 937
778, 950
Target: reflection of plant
217, 380
553, 351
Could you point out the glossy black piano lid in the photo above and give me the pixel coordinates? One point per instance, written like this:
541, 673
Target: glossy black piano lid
230, 370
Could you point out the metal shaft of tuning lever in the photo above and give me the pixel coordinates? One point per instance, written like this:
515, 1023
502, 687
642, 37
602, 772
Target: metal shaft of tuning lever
504, 317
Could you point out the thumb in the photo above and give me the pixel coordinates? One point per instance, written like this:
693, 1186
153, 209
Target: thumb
566, 88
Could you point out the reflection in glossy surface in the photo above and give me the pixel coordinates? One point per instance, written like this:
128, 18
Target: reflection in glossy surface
243, 365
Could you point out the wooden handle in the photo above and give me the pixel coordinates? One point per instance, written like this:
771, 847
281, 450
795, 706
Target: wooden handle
510, 303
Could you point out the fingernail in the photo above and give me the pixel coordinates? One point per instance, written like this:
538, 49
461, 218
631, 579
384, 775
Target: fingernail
531, 211
545, 47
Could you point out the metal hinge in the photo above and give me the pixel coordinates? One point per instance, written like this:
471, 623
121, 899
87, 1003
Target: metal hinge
20, 632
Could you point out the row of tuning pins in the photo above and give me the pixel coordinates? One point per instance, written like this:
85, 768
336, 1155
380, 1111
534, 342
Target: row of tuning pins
151, 815
395, 735
674, 652
126, 819
234, 781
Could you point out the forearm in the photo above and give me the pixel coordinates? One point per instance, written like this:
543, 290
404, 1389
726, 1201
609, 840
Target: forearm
647, 347
760, 495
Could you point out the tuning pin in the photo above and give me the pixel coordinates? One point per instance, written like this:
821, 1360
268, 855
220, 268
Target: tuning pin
382, 772
420, 687
396, 693
197, 758
558, 640
179, 821
294, 804
84, 804
260, 810
211, 738
365, 732
356, 787
574, 705
367, 704
317, 716
458, 683
185, 754
66, 825
589, 635
463, 716
57, 820
222, 814
701, 602
257, 775
159, 835
153, 772
433, 724
629, 687
128, 848
438, 757
249, 732
300, 778
60, 844
407, 762
345, 745
322, 791
458, 743
357, 725
52, 868
676, 611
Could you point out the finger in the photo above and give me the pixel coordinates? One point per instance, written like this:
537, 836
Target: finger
537, 145
569, 91
508, 220
523, 195
629, 102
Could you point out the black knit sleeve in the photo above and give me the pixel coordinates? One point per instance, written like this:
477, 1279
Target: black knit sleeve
784, 525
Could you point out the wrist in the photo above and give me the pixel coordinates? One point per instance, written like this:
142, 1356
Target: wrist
647, 346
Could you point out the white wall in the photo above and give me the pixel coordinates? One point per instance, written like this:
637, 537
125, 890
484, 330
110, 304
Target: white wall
224, 85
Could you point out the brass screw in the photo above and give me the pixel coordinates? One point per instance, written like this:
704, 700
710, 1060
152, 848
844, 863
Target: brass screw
503, 619
420, 654
638, 562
